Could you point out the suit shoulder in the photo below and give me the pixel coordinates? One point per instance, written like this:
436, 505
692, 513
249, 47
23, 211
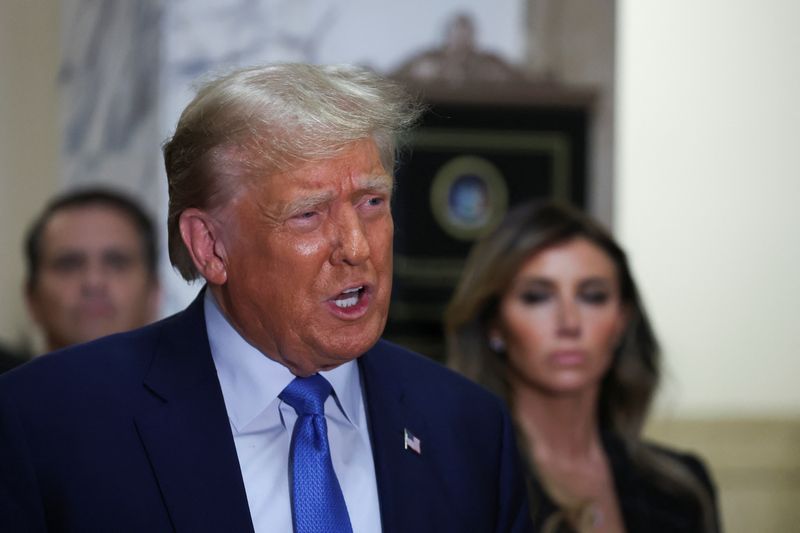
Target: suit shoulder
108, 360
430, 375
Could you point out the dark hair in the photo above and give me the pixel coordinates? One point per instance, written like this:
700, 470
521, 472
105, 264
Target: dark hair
86, 197
628, 387
630, 383
257, 121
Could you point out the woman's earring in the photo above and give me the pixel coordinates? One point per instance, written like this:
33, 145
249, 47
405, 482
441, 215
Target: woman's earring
497, 344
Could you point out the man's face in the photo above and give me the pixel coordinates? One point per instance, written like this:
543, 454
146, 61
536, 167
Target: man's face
308, 257
92, 280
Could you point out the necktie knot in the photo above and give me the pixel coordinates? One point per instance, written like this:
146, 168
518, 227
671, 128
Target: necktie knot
307, 395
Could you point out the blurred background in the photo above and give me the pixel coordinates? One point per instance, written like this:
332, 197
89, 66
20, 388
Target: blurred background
675, 123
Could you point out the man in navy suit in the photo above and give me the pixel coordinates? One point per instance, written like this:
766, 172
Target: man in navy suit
280, 180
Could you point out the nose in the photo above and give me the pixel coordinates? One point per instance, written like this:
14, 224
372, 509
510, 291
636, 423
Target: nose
569, 321
351, 246
94, 279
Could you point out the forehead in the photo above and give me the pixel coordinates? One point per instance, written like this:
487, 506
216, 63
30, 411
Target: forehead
574, 259
358, 165
89, 227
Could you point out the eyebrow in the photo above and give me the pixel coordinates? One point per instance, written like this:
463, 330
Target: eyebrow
306, 203
106, 254
597, 280
380, 184
533, 281
540, 280
65, 255
114, 253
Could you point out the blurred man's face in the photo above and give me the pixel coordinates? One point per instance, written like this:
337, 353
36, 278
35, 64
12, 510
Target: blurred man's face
92, 280
309, 260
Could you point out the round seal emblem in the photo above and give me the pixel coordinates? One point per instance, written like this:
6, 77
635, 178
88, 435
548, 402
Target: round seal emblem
468, 197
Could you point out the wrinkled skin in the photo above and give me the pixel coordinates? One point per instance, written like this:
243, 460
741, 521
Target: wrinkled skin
287, 247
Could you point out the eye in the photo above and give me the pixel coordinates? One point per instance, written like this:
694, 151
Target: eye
304, 216
374, 203
533, 297
305, 220
595, 297
373, 206
118, 261
66, 264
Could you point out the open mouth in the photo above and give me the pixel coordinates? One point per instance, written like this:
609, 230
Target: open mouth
349, 297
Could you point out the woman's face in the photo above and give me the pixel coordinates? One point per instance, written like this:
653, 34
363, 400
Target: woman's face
561, 318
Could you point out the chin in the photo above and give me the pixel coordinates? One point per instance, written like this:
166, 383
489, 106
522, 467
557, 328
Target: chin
353, 348
348, 347
571, 385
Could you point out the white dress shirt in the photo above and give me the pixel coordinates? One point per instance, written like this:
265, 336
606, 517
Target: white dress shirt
262, 429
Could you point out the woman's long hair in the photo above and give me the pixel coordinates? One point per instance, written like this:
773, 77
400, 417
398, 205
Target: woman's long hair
627, 388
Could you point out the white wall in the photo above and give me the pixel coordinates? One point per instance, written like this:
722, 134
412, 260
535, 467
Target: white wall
29, 33
707, 195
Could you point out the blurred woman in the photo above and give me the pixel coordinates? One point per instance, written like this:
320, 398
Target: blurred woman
548, 316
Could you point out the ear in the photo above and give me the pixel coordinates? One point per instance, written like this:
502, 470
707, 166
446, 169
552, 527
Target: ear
204, 243
32, 303
496, 339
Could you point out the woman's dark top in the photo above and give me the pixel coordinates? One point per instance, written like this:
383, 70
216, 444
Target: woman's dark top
646, 506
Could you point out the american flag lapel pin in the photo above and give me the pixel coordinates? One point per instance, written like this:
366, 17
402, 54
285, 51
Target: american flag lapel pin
411, 442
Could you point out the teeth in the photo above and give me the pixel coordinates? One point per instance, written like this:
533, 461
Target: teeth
344, 303
347, 302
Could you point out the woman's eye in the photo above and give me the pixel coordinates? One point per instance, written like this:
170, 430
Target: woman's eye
595, 297
533, 297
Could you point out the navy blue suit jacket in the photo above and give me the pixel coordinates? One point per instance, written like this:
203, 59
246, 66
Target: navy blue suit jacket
130, 433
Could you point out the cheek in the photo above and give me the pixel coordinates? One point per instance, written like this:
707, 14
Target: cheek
526, 330
603, 331
382, 262
289, 253
58, 292
380, 237
292, 281
308, 248
132, 283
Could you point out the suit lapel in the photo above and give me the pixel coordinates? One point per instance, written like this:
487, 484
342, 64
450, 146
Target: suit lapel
188, 438
406, 486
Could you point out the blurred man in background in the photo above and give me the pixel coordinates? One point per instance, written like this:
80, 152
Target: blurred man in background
91, 267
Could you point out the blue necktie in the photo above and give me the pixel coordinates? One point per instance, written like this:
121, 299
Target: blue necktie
317, 502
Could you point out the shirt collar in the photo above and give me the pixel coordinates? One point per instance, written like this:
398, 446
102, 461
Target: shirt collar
251, 381
346, 383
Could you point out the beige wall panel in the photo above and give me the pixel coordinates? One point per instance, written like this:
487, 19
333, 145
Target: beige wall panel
29, 55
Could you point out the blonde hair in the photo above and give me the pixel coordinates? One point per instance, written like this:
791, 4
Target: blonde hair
257, 121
